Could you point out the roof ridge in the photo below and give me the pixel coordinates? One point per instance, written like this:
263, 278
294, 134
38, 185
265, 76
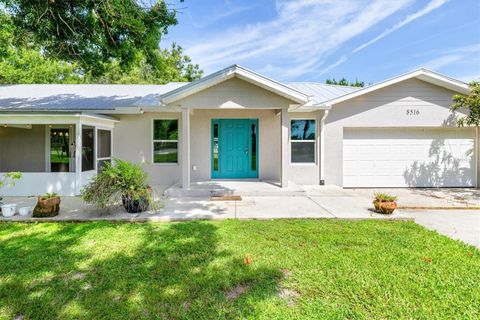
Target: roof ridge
325, 84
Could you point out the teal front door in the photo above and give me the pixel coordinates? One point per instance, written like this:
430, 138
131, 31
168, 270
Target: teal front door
234, 148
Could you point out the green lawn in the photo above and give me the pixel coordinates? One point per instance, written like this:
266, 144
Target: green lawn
302, 269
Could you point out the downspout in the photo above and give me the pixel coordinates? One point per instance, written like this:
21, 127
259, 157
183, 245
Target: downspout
322, 147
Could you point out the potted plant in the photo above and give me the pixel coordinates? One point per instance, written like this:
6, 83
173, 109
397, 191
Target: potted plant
385, 203
8, 180
48, 205
120, 181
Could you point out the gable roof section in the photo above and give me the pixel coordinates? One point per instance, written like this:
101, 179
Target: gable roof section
422, 74
241, 73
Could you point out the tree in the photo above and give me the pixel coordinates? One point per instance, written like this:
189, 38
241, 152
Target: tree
345, 82
87, 41
471, 103
26, 65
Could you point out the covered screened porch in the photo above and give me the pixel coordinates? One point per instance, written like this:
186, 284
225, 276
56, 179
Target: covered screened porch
54, 152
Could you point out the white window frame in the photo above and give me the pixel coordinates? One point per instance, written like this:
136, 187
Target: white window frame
152, 131
96, 146
314, 141
71, 133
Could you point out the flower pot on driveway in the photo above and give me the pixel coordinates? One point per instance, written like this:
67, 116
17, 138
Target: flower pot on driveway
47, 207
385, 207
24, 211
8, 210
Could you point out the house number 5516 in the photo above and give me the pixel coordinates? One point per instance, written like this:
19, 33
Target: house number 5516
413, 112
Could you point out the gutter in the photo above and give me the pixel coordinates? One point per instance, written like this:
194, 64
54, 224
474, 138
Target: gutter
322, 146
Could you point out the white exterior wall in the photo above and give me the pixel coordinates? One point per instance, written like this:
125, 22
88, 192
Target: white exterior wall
132, 141
234, 94
384, 108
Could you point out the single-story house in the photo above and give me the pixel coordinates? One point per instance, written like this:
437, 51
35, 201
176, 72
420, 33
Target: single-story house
238, 124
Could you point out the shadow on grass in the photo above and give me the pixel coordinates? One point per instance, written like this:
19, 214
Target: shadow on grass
126, 271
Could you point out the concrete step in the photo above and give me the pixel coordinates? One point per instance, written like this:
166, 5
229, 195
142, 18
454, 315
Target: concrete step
177, 192
245, 189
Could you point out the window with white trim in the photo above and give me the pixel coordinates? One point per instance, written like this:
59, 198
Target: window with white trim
165, 141
104, 148
302, 140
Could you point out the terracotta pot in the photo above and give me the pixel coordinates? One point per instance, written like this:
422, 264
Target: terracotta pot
385, 207
46, 207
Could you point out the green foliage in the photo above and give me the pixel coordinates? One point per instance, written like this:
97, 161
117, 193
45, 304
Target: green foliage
114, 181
301, 269
470, 103
92, 32
345, 82
49, 195
384, 197
9, 178
27, 57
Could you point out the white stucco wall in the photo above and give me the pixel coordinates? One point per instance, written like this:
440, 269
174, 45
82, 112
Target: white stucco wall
132, 141
234, 93
386, 107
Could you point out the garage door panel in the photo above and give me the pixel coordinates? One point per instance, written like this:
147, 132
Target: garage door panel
402, 157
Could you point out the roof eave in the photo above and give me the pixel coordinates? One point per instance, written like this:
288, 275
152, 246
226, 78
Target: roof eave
422, 74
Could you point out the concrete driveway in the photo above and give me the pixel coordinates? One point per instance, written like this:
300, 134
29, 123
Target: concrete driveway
461, 225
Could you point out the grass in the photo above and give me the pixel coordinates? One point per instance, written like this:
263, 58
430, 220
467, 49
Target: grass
166, 157
301, 269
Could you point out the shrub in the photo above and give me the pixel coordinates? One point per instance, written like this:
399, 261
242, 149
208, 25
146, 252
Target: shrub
9, 179
384, 197
116, 181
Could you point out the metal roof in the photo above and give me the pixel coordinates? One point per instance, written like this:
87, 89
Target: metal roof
321, 92
106, 97
79, 97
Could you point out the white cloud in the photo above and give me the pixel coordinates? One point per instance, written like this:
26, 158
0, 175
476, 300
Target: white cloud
468, 54
303, 33
432, 5
440, 62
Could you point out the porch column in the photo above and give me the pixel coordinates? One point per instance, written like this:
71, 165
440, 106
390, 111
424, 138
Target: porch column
185, 148
78, 157
285, 148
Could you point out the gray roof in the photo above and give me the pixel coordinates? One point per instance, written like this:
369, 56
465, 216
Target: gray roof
78, 97
89, 97
321, 92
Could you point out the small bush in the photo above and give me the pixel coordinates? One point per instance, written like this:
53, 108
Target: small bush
114, 181
384, 197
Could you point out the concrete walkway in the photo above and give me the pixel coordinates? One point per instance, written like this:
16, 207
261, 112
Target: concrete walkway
262, 200
250, 207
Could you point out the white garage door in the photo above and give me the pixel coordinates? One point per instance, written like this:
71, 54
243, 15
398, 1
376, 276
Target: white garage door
409, 157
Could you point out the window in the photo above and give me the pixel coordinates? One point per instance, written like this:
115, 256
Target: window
302, 138
88, 145
165, 141
104, 148
215, 147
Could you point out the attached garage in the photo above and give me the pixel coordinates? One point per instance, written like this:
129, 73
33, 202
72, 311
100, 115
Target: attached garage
409, 157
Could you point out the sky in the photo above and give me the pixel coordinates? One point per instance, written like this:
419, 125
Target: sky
312, 40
